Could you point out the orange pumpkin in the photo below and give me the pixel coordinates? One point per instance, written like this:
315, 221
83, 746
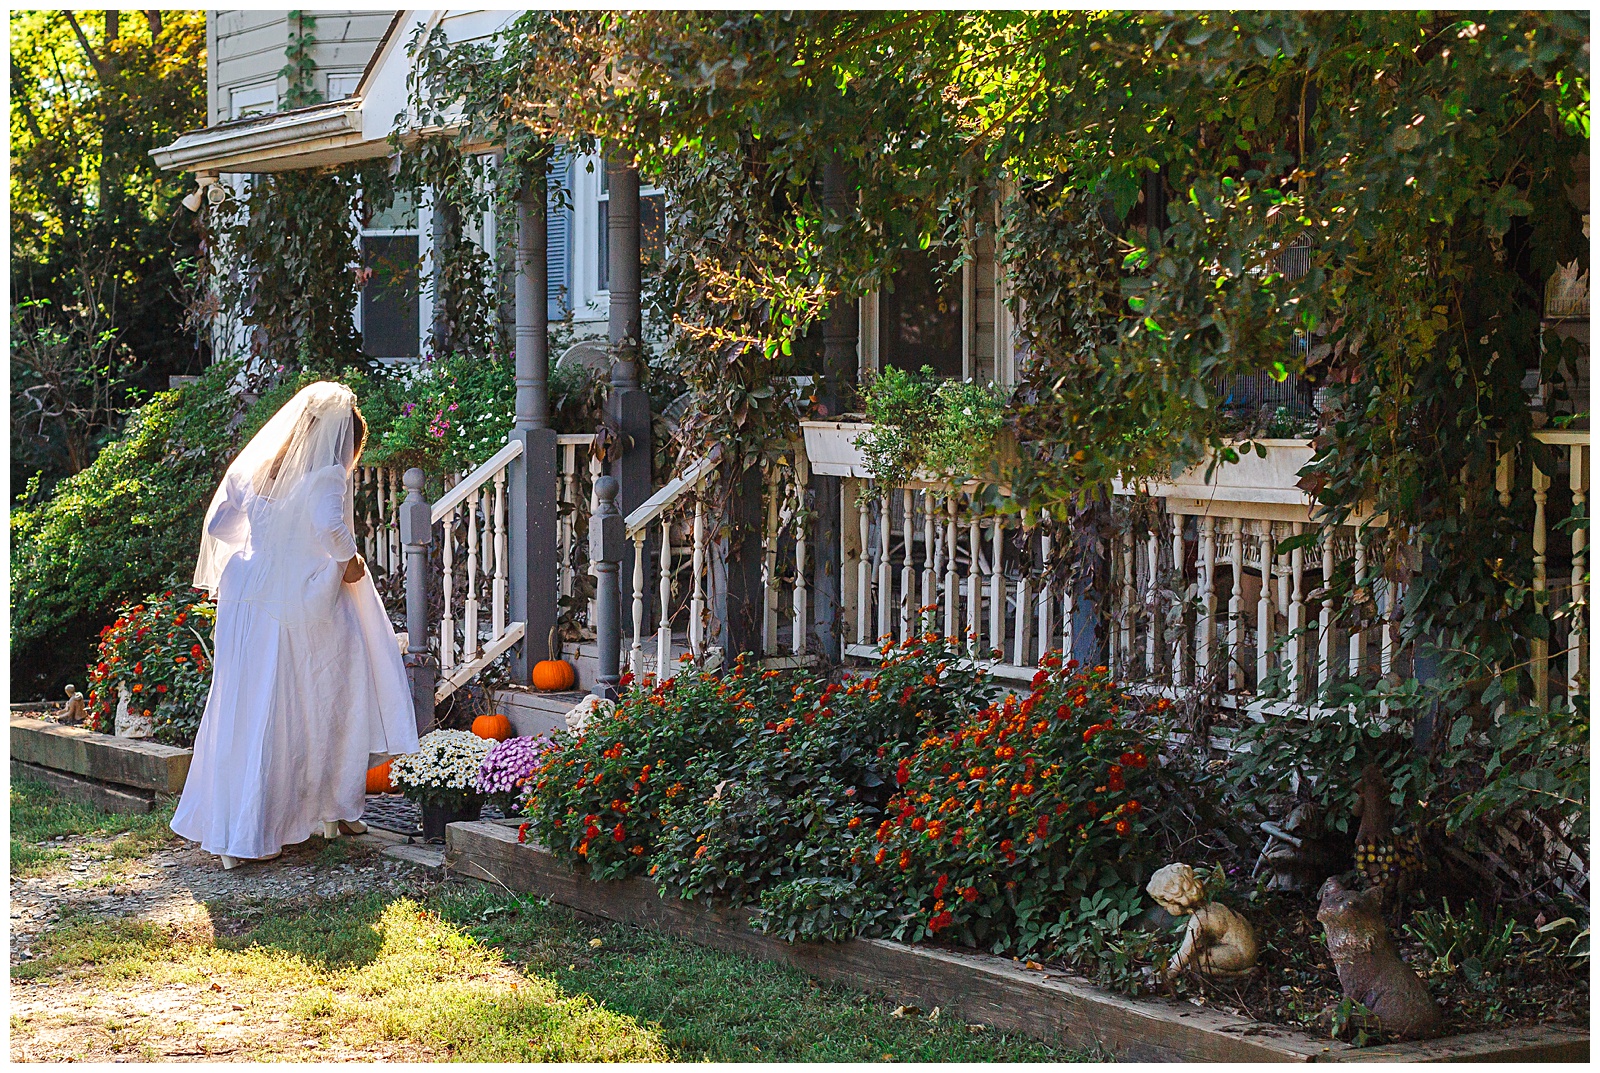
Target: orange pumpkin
553, 675
495, 727
378, 781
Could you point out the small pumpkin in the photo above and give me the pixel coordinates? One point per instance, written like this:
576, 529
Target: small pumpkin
554, 674
378, 781
494, 727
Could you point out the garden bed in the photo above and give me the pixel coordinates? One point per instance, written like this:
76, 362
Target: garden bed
995, 991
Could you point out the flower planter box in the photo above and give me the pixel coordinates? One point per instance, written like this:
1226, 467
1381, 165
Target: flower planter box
997, 992
831, 447
1271, 480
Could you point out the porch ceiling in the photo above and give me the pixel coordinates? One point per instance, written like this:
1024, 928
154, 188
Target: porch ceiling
315, 136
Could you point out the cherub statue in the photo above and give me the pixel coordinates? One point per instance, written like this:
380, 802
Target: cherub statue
1218, 942
74, 713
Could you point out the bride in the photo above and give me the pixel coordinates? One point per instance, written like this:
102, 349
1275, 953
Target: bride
308, 688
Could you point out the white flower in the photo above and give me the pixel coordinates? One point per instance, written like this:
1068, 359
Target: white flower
446, 760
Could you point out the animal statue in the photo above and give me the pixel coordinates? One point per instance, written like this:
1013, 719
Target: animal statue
1300, 852
1218, 941
1370, 969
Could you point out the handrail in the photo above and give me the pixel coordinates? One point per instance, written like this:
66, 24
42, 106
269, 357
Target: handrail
1562, 436
475, 480
575, 439
669, 493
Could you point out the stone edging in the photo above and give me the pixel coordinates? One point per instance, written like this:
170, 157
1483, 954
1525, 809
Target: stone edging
126, 764
976, 987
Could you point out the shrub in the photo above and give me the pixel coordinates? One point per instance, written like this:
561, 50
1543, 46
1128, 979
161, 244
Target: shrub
161, 649
597, 799
1026, 817
924, 423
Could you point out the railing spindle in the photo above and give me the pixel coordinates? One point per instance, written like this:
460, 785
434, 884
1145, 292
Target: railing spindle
1019, 644
664, 612
1151, 611
1046, 598
1236, 605
1264, 606
1577, 483
885, 579
1179, 649
997, 587
974, 601
1297, 617
447, 624
769, 566
1205, 628
697, 569
636, 652
907, 570
863, 570
497, 600
802, 476
1325, 636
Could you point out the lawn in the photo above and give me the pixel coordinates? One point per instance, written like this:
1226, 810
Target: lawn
430, 970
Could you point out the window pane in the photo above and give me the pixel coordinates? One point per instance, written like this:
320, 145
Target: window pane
652, 231
919, 322
401, 215
389, 306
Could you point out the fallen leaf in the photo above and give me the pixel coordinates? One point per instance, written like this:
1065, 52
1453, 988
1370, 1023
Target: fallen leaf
1032, 965
596, 942
906, 1011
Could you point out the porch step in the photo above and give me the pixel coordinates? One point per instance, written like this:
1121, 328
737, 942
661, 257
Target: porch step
533, 713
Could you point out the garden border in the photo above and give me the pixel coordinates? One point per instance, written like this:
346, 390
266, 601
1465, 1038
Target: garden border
111, 773
979, 988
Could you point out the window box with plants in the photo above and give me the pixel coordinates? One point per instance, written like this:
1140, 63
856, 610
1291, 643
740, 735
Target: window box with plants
917, 428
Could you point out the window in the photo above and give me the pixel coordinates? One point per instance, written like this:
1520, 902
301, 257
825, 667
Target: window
652, 230
558, 240
390, 298
342, 85
247, 101
920, 320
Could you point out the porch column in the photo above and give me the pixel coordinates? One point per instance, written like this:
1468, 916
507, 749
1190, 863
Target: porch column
627, 404
531, 479
839, 365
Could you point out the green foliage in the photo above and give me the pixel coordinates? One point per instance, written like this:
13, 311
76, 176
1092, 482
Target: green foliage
127, 525
160, 648
924, 423
98, 237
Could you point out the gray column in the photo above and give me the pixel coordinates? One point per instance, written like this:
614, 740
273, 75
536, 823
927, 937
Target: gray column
531, 479
839, 370
416, 533
606, 540
741, 555
628, 405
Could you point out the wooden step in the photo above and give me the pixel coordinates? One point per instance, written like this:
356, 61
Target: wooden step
146, 765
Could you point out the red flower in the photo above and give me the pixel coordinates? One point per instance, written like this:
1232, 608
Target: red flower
625, 681
905, 860
938, 888
877, 858
1040, 678
971, 894
1132, 806
522, 833
618, 833
1123, 827
940, 922
855, 821
902, 774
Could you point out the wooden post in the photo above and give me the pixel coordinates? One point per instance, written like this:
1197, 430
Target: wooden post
627, 404
606, 540
416, 533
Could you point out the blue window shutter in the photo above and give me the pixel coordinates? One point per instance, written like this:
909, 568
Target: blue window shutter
559, 256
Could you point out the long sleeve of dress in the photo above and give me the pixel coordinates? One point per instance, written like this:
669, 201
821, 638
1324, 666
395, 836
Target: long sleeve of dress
327, 514
230, 523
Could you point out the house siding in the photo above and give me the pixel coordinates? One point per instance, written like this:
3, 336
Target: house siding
246, 49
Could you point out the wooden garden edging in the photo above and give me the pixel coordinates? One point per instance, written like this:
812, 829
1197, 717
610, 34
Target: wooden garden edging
116, 774
978, 988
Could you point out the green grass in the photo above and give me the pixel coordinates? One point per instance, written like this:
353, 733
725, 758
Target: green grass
38, 813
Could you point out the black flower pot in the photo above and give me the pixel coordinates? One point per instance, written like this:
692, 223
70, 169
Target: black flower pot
436, 817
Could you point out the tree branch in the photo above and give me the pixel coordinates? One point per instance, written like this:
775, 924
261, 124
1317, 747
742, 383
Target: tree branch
101, 69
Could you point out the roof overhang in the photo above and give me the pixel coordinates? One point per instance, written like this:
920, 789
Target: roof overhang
315, 136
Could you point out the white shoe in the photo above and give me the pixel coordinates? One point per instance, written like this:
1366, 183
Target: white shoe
352, 827
230, 863
330, 829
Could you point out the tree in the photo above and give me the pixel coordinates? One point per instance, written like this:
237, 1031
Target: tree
101, 250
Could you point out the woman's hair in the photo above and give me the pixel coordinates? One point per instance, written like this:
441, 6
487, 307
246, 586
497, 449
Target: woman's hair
359, 438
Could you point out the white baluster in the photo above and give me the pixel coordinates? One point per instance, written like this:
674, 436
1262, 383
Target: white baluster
1264, 607
566, 516
1020, 618
802, 477
1358, 640
974, 598
1297, 616
908, 572
997, 588
1047, 601
447, 622
636, 653
1236, 606
1540, 647
1179, 649
1205, 629
469, 639
1578, 484
952, 591
930, 565
497, 602
396, 562
1325, 638
664, 612
1152, 613
885, 578
1066, 618
769, 566
697, 570
368, 539
863, 571
1130, 606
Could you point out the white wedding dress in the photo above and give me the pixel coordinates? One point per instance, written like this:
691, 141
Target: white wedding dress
308, 686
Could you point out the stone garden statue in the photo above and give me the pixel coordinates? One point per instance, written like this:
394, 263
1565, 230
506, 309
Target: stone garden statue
1370, 968
74, 713
1218, 942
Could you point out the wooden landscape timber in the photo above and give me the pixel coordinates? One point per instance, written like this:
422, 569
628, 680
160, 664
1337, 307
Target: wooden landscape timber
978, 988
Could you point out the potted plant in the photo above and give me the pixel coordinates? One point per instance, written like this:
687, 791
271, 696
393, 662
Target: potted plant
442, 777
926, 428
831, 446
506, 767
